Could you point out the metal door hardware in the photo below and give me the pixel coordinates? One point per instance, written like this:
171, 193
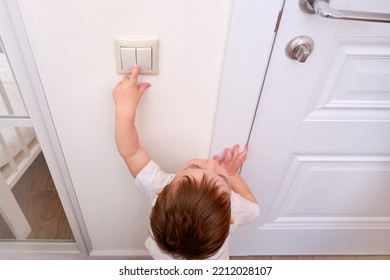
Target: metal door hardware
322, 8
300, 48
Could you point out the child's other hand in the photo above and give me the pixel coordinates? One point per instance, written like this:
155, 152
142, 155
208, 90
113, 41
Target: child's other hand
127, 93
233, 159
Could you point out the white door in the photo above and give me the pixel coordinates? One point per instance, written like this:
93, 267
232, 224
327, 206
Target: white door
319, 161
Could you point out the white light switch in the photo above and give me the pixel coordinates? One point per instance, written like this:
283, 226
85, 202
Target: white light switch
142, 51
128, 58
144, 58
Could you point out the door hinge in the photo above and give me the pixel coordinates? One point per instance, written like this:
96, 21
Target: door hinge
278, 21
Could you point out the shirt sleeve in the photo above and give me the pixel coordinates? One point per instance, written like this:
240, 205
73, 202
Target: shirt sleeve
243, 210
151, 178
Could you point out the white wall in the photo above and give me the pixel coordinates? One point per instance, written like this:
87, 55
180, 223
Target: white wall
72, 42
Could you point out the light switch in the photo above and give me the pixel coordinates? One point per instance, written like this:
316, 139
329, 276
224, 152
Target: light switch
144, 58
128, 58
142, 51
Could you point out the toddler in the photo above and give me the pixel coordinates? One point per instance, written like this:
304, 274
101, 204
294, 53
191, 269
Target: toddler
195, 209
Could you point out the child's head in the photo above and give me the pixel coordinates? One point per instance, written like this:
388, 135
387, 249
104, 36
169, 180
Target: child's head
191, 217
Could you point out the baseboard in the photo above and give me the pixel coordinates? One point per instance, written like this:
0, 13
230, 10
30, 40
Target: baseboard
114, 255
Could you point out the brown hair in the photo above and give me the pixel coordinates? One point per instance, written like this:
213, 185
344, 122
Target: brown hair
191, 219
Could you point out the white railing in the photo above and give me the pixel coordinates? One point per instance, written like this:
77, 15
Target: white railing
16, 160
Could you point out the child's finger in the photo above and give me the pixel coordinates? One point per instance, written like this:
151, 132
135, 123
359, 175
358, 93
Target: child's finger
134, 75
245, 151
228, 155
243, 154
121, 81
142, 87
236, 151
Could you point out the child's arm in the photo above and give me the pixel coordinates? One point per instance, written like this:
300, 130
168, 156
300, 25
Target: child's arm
232, 163
127, 95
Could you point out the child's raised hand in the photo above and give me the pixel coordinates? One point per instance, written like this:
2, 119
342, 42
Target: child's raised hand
233, 159
127, 93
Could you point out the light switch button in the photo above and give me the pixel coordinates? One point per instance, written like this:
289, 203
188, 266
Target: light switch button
144, 58
128, 59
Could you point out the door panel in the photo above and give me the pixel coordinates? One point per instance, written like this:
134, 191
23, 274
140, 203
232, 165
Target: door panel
319, 161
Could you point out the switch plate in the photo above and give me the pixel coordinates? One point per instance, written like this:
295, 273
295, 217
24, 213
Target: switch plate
146, 53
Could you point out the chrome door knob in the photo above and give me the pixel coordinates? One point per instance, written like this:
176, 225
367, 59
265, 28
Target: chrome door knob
300, 48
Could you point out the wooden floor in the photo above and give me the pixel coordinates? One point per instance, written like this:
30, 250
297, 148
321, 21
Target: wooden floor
39, 201
352, 257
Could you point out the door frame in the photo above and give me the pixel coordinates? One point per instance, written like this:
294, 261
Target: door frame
23, 65
252, 32
253, 29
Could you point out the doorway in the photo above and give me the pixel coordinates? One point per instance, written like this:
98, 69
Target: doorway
37, 199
